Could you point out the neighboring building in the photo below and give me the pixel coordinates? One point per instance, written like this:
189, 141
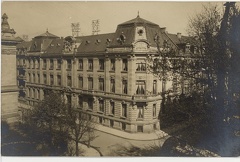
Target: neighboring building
9, 89
102, 75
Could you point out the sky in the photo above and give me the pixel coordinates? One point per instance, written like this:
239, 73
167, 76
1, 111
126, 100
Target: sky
34, 18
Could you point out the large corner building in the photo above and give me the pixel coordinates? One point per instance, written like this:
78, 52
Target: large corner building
102, 75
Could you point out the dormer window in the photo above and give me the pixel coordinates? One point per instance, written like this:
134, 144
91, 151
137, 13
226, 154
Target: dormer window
98, 41
122, 38
87, 42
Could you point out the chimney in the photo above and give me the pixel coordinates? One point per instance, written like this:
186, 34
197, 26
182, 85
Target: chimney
163, 30
179, 35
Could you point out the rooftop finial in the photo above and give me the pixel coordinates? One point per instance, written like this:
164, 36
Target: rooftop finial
138, 14
47, 30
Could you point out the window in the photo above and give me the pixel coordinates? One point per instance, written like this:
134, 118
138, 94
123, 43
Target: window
80, 82
124, 65
28, 63
111, 123
30, 93
139, 128
69, 81
154, 110
141, 67
80, 102
29, 77
80, 64
124, 110
112, 65
112, 108
124, 86
90, 103
100, 120
59, 80
154, 87
90, 83
59, 64
101, 105
51, 80
140, 111
32, 64
90, 64
112, 86
33, 93
34, 79
101, 84
69, 64
44, 78
123, 126
37, 64
101, 64
140, 87
44, 64
51, 64
38, 78
38, 94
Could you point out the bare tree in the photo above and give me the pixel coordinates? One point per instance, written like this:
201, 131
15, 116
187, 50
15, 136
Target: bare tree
82, 128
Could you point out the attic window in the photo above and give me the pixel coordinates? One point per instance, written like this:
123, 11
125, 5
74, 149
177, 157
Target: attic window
140, 32
52, 45
87, 42
122, 37
35, 45
58, 44
109, 40
98, 41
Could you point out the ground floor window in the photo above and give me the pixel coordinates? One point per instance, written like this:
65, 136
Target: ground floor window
111, 123
100, 120
139, 128
123, 126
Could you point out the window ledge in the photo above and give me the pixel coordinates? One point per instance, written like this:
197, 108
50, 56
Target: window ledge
123, 117
89, 110
79, 69
140, 71
89, 70
100, 112
112, 71
139, 119
100, 71
112, 115
123, 71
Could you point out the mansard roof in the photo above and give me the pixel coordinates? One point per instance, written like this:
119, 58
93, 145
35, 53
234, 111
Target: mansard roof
46, 35
95, 43
138, 21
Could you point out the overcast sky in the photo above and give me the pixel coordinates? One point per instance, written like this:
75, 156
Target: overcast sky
33, 18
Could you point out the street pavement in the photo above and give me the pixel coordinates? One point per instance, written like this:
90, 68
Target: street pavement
107, 144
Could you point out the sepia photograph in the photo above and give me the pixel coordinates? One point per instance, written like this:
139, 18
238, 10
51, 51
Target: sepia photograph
120, 79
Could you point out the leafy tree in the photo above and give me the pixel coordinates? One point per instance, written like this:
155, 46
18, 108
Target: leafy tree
47, 120
212, 69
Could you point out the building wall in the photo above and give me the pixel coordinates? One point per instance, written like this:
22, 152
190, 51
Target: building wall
35, 90
9, 90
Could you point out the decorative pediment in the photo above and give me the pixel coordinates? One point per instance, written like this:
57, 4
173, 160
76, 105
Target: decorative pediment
141, 46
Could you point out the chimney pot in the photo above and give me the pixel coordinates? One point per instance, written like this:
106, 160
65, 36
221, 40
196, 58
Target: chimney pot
163, 30
179, 35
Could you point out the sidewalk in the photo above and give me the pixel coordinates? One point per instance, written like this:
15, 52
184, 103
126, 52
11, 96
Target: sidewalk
132, 136
89, 151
